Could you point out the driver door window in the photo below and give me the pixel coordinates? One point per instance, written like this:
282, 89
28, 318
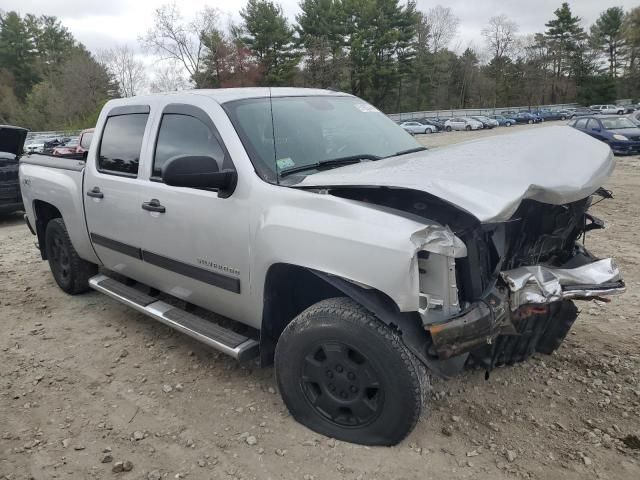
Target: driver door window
182, 134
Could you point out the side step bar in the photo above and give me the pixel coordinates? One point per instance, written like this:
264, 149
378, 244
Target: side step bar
238, 346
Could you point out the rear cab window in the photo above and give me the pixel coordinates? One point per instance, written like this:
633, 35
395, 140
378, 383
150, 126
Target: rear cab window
121, 141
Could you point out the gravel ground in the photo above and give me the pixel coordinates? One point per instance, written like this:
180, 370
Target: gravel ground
92, 389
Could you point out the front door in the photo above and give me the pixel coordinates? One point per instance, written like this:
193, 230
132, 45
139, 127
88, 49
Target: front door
112, 190
196, 244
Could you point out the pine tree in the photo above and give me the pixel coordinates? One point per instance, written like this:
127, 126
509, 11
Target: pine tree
266, 32
608, 35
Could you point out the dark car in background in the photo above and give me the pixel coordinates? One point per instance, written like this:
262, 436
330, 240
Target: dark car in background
527, 117
504, 121
11, 148
620, 133
486, 121
552, 114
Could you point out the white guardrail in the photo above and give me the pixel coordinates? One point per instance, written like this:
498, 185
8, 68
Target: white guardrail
59, 133
467, 112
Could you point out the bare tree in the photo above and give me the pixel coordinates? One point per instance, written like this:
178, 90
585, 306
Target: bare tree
172, 38
442, 26
129, 72
500, 35
169, 78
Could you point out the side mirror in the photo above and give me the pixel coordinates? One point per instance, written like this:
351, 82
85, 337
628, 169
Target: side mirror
199, 171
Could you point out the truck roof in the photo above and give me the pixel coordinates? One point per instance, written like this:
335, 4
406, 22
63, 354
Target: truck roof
224, 95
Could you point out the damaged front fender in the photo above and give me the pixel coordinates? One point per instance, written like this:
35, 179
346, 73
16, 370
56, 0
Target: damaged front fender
440, 240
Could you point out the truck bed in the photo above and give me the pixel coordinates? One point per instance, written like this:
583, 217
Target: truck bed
57, 182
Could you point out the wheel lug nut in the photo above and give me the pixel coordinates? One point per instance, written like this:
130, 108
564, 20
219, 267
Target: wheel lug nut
339, 368
351, 376
353, 389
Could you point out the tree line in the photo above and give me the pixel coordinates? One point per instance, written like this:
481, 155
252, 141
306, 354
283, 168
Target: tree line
386, 51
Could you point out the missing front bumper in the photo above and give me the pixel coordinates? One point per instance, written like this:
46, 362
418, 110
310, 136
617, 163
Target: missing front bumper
529, 292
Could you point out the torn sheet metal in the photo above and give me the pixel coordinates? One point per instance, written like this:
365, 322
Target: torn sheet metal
543, 284
490, 177
441, 240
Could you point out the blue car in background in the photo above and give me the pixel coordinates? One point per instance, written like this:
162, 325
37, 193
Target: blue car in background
620, 133
503, 121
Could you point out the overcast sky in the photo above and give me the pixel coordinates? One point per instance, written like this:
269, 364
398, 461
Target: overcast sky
101, 24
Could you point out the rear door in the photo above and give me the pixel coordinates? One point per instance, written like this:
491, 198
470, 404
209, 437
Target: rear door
112, 190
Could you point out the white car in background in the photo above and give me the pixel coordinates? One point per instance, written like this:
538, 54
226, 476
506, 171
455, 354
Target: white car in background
417, 127
608, 109
462, 123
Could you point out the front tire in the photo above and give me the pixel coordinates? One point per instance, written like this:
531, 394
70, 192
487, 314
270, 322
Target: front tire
448, 128
530, 121
346, 375
508, 124
468, 128
70, 272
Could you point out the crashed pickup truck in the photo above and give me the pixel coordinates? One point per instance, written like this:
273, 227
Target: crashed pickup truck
328, 241
11, 148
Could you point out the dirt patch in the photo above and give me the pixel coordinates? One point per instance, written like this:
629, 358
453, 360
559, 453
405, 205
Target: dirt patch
87, 385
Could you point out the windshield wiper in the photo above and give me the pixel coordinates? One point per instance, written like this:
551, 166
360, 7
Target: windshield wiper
334, 162
405, 152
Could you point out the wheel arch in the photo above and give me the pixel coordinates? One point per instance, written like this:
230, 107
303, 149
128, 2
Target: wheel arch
44, 212
291, 289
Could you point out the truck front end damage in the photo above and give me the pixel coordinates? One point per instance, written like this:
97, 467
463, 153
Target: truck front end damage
511, 294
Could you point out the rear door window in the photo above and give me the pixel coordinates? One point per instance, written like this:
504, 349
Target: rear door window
582, 123
121, 144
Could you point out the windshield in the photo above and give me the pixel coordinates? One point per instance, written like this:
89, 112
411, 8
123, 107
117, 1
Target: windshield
617, 123
297, 131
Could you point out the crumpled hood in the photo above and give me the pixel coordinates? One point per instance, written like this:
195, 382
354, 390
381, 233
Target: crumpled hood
12, 139
489, 177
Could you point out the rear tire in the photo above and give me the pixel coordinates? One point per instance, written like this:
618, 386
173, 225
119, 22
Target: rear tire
448, 128
70, 272
530, 121
346, 375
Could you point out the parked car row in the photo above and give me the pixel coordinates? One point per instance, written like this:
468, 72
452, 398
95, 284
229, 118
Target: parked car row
61, 146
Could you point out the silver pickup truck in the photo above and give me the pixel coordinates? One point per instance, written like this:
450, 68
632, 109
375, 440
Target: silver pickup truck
328, 240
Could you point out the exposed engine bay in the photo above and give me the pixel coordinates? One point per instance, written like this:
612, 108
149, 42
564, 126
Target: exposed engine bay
510, 295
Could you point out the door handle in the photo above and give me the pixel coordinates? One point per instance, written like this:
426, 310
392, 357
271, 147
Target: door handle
154, 206
95, 193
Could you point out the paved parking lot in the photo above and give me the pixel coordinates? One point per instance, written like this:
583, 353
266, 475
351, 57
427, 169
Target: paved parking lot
85, 380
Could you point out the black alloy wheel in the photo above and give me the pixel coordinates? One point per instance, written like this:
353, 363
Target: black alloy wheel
341, 385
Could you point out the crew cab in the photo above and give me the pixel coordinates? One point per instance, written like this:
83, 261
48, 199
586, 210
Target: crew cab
11, 147
331, 241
